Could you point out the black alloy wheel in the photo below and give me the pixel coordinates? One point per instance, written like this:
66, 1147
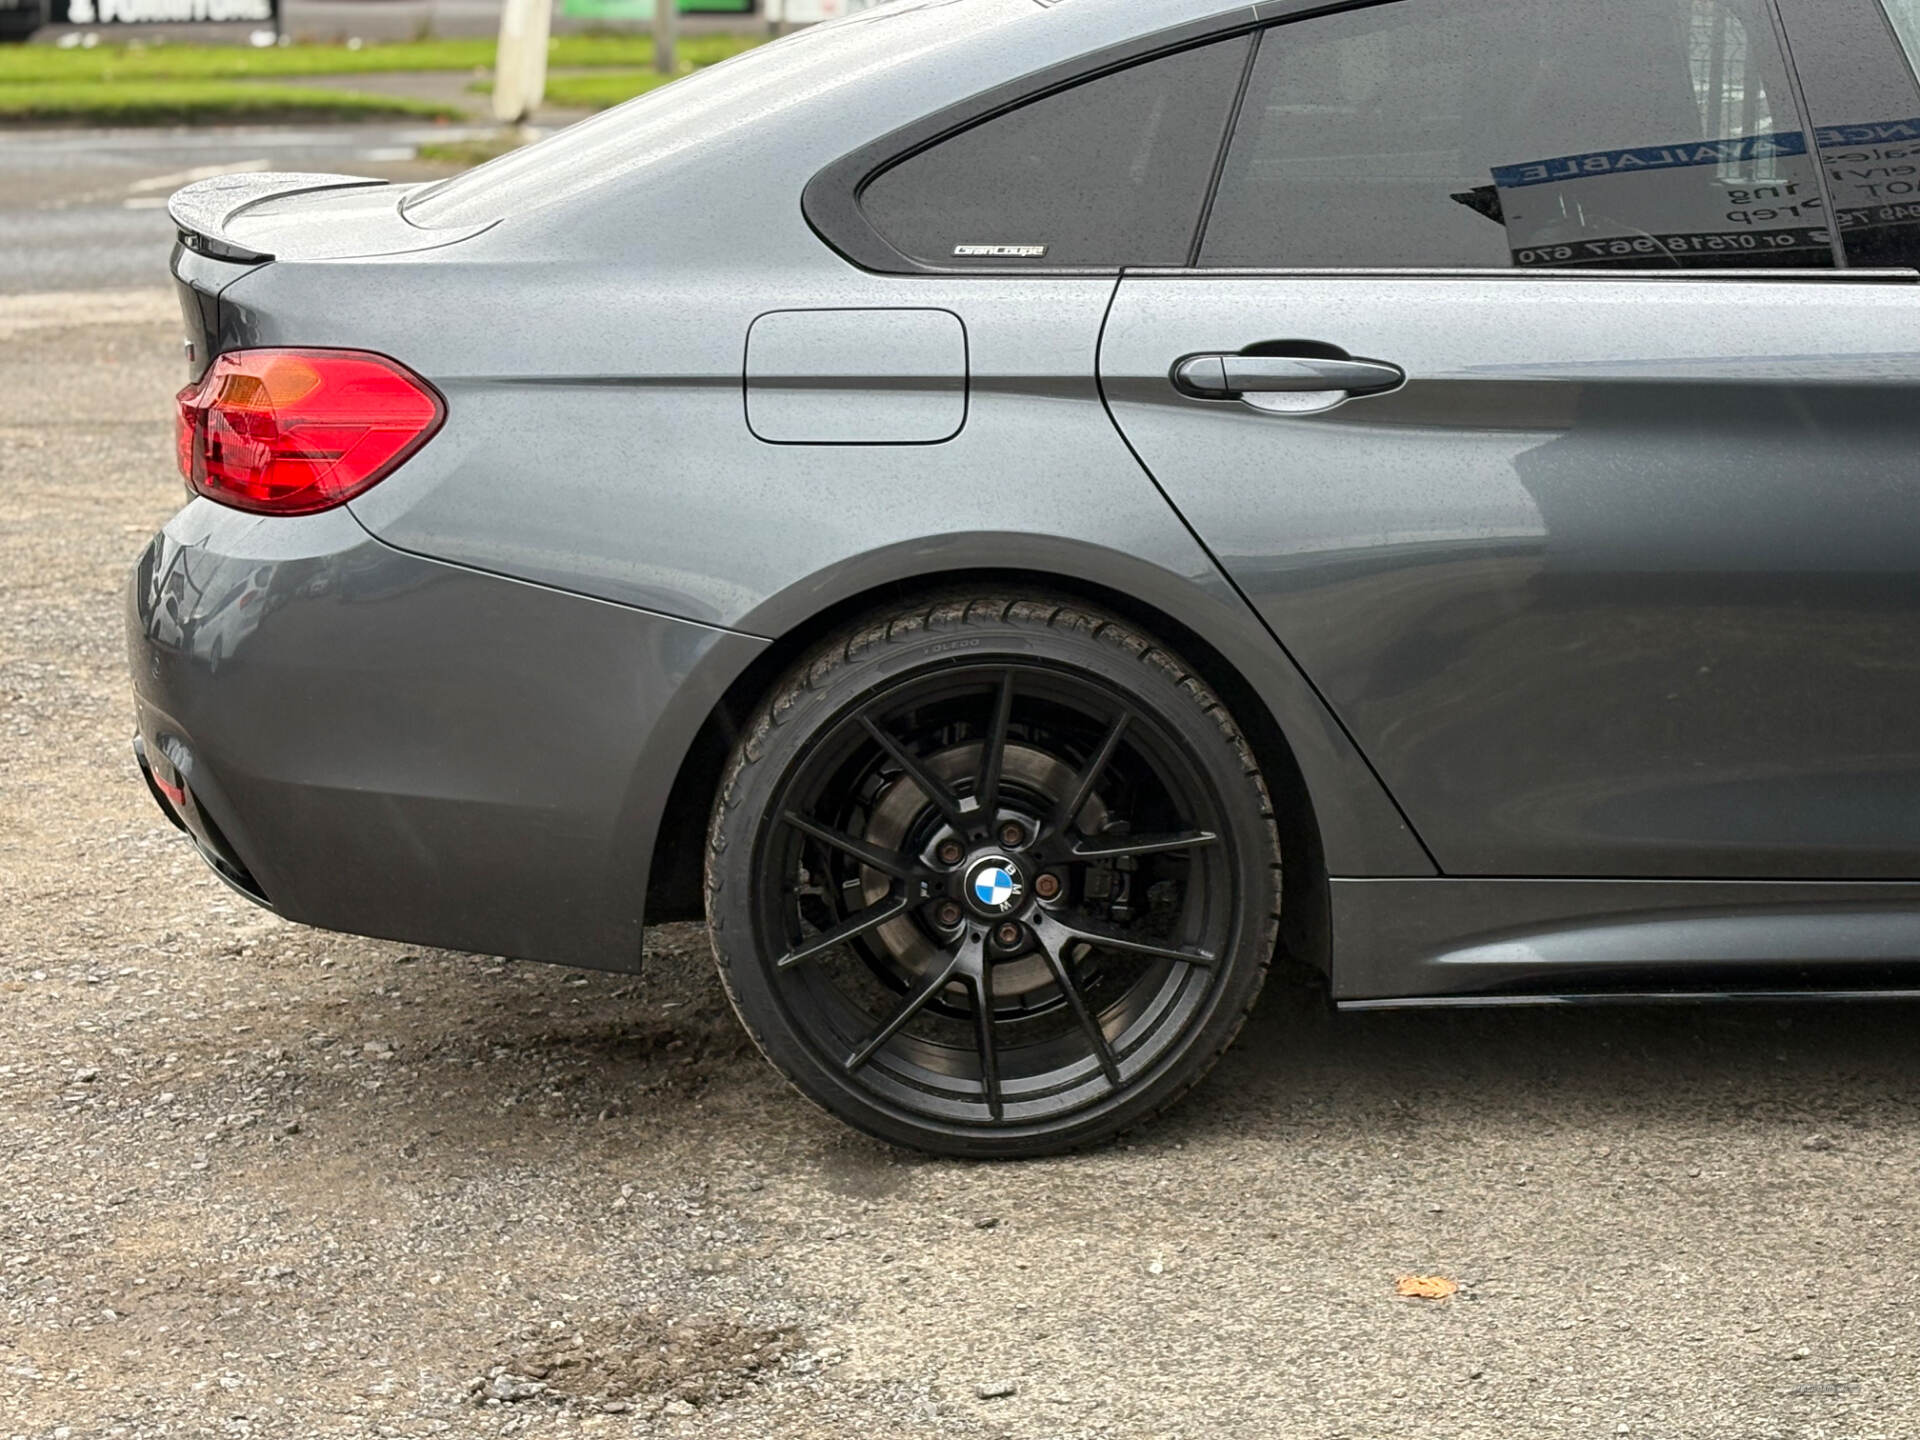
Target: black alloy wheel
996, 877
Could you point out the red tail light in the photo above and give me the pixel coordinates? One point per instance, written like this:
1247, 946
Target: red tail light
293, 432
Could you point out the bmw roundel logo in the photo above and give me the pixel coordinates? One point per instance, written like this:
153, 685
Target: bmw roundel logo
994, 887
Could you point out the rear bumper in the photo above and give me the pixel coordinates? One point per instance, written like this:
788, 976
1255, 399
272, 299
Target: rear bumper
180, 805
366, 740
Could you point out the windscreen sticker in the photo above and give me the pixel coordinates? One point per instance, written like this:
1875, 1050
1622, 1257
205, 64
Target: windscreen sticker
1748, 201
1643, 158
1873, 171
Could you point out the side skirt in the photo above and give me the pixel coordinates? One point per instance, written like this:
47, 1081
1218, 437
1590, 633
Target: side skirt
1459, 941
1622, 997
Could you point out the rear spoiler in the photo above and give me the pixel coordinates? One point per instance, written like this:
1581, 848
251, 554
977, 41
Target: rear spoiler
202, 211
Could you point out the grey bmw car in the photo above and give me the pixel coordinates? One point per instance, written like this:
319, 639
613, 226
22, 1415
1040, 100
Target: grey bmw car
1024, 511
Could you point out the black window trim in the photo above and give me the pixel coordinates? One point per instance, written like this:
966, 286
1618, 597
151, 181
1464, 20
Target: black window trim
831, 200
1226, 145
1810, 134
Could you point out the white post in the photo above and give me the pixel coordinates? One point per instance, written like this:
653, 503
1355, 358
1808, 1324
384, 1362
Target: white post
520, 67
666, 29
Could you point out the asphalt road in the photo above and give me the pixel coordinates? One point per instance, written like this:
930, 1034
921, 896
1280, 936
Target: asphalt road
86, 209
257, 1180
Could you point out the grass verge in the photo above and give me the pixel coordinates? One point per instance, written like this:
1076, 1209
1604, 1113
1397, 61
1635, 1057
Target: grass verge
21, 64
468, 153
199, 102
596, 91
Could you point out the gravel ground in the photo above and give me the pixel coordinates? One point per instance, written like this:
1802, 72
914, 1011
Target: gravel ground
261, 1180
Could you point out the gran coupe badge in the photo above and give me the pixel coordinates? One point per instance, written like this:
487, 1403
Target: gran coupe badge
1000, 252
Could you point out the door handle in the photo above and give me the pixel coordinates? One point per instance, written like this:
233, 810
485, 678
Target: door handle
1294, 384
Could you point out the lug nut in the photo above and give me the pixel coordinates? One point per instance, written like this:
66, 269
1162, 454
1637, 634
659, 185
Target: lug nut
1011, 833
1047, 886
948, 914
950, 852
1008, 935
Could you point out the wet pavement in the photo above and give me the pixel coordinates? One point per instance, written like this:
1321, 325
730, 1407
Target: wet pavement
86, 209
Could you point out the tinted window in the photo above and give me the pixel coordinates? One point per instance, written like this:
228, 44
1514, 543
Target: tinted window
1866, 120
1905, 15
1111, 172
1484, 133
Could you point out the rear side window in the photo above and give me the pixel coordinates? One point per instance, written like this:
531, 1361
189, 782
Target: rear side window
1905, 15
1111, 172
1865, 105
1495, 133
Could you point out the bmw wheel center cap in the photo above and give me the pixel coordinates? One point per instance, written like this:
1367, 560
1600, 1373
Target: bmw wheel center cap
994, 886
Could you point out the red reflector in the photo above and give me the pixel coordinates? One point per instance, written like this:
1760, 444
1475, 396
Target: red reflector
184, 420
293, 432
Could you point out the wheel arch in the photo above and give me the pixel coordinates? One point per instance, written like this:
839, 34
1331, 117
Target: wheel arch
1319, 792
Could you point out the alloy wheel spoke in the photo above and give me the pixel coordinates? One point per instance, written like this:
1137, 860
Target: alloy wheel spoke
936, 980
873, 916
928, 784
935, 1019
1070, 808
1092, 934
1053, 945
1119, 846
983, 1029
887, 862
993, 758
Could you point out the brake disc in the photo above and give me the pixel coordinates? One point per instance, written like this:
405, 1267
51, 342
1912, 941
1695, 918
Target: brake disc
1025, 771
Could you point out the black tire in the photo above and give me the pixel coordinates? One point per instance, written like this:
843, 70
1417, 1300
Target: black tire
1139, 951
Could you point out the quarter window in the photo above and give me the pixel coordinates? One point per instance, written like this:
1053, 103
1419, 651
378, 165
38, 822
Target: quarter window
1494, 133
1111, 172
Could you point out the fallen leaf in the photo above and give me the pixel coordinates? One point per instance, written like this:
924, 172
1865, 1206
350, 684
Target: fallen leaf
1425, 1287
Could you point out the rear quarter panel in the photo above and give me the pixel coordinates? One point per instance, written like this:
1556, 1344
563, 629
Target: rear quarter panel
592, 350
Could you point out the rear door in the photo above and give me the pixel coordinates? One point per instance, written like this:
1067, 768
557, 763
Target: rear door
1519, 386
